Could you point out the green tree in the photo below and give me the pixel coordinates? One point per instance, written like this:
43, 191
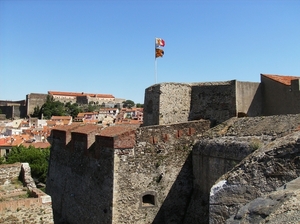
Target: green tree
91, 108
2, 160
36, 112
52, 108
36, 157
128, 104
72, 109
139, 105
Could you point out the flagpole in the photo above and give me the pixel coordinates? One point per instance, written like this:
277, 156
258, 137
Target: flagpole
155, 63
155, 69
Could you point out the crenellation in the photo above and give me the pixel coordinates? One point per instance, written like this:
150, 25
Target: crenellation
125, 164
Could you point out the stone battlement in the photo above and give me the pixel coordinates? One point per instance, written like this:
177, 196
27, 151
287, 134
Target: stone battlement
88, 139
124, 166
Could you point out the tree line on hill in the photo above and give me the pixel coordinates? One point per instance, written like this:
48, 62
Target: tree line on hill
56, 108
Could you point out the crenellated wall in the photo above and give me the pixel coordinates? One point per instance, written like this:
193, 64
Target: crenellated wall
136, 175
161, 174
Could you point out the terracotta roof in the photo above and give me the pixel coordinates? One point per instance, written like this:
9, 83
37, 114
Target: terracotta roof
117, 130
88, 121
41, 145
51, 123
82, 114
67, 127
57, 93
12, 141
286, 80
87, 128
61, 117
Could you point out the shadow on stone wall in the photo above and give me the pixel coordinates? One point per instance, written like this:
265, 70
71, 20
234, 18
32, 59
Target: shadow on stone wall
255, 108
174, 207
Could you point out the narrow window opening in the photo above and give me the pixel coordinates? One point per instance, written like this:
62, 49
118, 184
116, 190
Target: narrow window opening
148, 200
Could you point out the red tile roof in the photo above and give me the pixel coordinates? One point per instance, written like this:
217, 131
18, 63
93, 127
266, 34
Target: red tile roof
117, 130
41, 145
87, 128
61, 118
57, 93
286, 80
67, 127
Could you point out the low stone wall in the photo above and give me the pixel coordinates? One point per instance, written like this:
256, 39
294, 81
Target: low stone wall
30, 210
17, 204
14, 208
9, 173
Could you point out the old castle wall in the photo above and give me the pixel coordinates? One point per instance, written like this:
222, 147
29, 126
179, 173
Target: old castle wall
215, 101
153, 182
143, 182
248, 99
13, 111
33, 100
285, 100
156, 179
168, 103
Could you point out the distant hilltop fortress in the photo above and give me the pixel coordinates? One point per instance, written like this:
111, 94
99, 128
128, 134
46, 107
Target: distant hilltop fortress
23, 108
166, 103
37, 99
82, 98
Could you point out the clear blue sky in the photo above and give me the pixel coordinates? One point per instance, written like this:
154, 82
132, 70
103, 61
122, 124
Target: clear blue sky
107, 46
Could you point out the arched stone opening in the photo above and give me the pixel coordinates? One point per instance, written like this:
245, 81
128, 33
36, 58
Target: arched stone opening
148, 199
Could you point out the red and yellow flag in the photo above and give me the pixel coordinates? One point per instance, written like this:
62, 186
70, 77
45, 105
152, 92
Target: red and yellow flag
159, 42
159, 53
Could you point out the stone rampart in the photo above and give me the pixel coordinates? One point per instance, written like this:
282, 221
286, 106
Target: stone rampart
139, 183
248, 99
215, 101
167, 103
225, 146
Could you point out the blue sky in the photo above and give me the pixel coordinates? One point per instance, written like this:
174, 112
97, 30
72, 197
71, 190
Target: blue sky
107, 46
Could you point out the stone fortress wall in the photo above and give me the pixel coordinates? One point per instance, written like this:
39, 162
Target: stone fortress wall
164, 171
168, 103
165, 174
33, 100
119, 180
